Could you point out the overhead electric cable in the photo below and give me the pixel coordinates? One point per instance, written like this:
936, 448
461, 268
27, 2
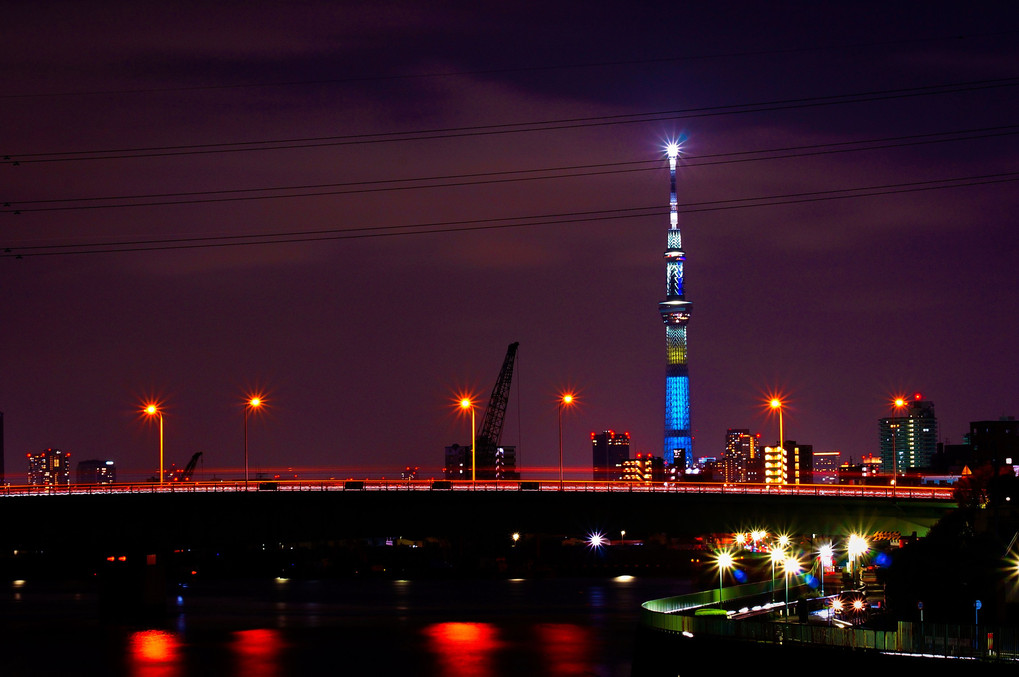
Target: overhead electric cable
483, 178
14, 251
504, 128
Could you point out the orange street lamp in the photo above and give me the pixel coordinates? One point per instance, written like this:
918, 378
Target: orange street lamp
153, 410
564, 401
777, 404
252, 404
466, 403
897, 404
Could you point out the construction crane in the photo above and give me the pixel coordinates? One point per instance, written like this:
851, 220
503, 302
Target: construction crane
185, 474
488, 438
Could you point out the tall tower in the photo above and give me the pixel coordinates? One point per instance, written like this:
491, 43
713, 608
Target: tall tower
675, 312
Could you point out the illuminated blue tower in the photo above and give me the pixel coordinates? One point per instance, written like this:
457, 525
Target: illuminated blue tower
675, 312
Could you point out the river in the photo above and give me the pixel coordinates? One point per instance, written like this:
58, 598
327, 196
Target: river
277, 628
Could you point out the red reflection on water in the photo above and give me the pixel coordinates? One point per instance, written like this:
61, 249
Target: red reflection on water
257, 652
567, 648
464, 649
153, 653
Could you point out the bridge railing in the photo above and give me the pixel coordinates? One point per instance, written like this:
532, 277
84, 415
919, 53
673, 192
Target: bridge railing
353, 484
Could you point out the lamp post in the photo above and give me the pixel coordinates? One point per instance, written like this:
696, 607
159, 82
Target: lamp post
153, 410
466, 403
789, 565
777, 404
826, 554
252, 403
897, 405
856, 547
776, 557
564, 401
724, 562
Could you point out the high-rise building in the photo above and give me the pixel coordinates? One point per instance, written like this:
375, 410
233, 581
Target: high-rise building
608, 451
675, 312
94, 471
644, 468
741, 452
506, 463
911, 440
789, 463
457, 465
49, 466
995, 442
826, 466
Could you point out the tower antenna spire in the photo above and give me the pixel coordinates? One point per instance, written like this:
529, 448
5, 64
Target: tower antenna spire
675, 312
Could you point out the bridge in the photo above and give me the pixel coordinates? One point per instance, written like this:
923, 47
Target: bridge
346, 524
935, 493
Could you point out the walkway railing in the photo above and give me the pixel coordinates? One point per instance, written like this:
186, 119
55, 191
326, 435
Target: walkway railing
813, 490
927, 639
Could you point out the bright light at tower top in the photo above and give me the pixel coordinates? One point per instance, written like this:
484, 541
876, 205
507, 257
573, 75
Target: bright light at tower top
672, 150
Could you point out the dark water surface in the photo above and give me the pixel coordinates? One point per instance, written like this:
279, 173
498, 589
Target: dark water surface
427, 628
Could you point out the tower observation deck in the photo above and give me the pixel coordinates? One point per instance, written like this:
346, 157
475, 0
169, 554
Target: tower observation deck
675, 312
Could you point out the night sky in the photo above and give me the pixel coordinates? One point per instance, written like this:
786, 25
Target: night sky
348, 129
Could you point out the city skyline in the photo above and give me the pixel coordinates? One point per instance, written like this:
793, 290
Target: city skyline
838, 301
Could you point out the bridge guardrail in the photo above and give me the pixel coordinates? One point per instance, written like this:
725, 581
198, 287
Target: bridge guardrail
349, 484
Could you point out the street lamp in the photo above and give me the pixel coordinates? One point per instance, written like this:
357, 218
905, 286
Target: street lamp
724, 562
826, 554
565, 400
758, 535
777, 404
836, 608
466, 403
252, 404
857, 610
789, 565
856, 547
153, 410
776, 557
897, 404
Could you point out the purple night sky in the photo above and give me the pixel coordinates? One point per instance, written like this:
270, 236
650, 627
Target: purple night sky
361, 343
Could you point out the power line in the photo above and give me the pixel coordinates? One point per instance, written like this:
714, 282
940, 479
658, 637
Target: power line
502, 222
482, 178
505, 128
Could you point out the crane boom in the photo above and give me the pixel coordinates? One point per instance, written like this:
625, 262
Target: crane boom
189, 469
491, 427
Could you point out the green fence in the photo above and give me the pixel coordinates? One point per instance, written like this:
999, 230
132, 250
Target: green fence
984, 642
747, 593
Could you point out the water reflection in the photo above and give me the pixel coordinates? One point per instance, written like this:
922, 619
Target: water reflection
154, 653
257, 652
463, 649
567, 648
